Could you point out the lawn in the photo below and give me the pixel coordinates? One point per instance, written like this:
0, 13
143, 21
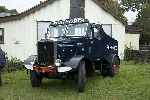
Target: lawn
132, 83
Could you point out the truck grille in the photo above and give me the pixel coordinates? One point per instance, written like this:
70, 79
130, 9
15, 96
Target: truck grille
46, 53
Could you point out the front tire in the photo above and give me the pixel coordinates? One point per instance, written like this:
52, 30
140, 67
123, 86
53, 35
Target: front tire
35, 79
81, 76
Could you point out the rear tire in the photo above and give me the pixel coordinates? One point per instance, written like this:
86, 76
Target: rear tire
104, 71
81, 76
114, 67
35, 79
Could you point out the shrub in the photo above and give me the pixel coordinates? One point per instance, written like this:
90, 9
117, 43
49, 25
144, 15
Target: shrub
13, 64
134, 55
128, 54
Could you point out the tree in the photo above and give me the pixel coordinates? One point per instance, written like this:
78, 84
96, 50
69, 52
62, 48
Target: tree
143, 17
134, 5
3, 9
143, 21
114, 9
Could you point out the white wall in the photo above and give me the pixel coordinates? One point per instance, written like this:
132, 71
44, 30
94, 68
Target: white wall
25, 30
132, 41
97, 15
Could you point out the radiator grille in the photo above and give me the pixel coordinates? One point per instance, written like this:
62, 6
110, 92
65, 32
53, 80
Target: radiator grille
46, 53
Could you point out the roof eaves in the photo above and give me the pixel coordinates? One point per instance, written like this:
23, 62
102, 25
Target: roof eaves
27, 12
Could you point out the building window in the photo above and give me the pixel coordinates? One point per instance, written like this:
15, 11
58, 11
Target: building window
107, 29
1, 35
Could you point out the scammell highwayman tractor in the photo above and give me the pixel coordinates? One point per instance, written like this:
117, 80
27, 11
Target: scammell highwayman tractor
74, 49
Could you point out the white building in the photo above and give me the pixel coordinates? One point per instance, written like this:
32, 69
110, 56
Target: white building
18, 33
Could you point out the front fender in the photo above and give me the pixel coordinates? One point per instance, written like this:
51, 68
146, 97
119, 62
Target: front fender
74, 62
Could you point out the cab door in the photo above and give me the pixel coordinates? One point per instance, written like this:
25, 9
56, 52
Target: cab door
97, 44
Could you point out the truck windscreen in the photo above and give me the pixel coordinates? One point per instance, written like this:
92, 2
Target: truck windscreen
70, 30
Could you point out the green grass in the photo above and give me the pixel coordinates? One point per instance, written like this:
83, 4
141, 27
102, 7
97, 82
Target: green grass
132, 83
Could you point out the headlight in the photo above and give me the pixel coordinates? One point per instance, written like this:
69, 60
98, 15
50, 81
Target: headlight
58, 62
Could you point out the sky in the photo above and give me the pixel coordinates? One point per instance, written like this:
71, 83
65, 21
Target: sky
131, 16
22, 5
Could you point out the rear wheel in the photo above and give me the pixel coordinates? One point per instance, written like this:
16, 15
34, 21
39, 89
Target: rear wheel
35, 79
114, 67
104, 71
81, 76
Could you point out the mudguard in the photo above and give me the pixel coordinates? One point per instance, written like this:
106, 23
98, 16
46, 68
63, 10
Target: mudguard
73, 62
110, 58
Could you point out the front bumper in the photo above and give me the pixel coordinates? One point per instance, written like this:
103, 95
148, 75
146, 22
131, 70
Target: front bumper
53, 70
63, 69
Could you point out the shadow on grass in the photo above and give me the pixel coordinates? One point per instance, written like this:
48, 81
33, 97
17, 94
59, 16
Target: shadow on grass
58, 85
66, 86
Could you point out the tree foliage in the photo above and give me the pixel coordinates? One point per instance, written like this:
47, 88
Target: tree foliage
114, 9
134, 5
3, 9
143, 20
143, 17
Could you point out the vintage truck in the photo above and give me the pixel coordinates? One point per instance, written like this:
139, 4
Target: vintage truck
74, 48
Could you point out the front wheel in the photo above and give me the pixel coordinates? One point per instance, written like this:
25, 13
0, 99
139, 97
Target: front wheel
81, 76
35, 79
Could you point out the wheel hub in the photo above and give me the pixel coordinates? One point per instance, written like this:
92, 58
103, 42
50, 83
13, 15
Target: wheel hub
115, 68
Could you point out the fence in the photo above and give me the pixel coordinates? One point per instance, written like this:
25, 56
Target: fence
142, 55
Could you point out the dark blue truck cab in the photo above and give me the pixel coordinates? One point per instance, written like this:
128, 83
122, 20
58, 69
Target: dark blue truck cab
75, 48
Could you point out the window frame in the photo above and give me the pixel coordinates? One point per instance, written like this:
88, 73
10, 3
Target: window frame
2, 42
